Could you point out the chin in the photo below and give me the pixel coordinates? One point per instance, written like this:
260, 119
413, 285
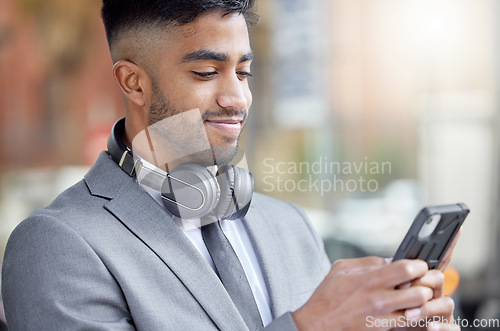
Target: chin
224, 140
224, 154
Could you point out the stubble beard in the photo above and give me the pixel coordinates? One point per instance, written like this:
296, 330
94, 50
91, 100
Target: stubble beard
161, 109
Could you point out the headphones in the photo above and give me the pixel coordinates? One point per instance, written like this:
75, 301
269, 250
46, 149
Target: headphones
190, 190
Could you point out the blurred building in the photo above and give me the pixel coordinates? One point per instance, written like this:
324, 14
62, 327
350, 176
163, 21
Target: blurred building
57, 92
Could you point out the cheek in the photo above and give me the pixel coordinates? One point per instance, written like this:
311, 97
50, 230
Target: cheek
184, 95
250, 98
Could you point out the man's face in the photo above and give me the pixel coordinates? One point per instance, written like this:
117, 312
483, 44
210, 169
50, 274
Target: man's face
205, 65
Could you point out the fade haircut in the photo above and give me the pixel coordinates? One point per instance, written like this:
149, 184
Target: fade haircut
124, 15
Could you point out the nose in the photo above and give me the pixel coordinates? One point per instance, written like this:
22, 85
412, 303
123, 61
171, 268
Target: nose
234, 93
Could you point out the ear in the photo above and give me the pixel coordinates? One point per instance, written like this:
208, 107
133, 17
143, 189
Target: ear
133, 81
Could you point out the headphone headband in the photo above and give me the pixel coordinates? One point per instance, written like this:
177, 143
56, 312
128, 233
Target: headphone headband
118, 151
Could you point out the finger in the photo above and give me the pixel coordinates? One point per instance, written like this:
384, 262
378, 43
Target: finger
397, 273
388, 301
442, 307
433, 279
436, 326
404, 285
359, 265
449, 253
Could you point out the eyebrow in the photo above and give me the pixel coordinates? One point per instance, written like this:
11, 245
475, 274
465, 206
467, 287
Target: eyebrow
207, 55
247, 57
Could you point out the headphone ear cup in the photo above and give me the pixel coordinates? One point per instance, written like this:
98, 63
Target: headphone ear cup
190, 191
236, 185
244, 186
225, 178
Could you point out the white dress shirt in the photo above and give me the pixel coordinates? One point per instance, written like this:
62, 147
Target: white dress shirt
237, 235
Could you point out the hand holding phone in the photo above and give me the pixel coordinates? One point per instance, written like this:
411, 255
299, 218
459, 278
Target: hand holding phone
431, 233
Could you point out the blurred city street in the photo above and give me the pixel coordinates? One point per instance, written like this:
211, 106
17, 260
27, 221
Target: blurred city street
400, 96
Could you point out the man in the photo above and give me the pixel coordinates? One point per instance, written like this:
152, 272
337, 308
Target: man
107, 254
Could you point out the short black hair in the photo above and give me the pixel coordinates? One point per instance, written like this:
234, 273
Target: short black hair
122, 15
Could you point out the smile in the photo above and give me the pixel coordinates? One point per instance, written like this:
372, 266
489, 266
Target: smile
231, 126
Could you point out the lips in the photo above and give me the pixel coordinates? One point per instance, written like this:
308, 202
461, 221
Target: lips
231, 126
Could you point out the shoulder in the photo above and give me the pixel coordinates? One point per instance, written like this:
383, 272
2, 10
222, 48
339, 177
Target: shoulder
55, 228
82, 203
67, 212
49, 253
38, 246
36, 239
50, 269
63, 223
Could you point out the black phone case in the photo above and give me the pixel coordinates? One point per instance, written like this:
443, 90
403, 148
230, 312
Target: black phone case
432, 248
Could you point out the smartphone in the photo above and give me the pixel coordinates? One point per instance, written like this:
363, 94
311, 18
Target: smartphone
431, 233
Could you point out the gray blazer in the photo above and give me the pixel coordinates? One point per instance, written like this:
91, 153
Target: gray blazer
105, 256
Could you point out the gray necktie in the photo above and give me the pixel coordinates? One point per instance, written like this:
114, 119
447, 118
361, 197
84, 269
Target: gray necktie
231, 274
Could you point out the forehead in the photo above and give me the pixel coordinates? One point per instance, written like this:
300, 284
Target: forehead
212, 31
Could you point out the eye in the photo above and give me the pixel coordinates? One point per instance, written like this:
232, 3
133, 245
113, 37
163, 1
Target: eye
244, 74
206, 75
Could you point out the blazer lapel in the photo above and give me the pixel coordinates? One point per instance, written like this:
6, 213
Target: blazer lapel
152, 225
272, 260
